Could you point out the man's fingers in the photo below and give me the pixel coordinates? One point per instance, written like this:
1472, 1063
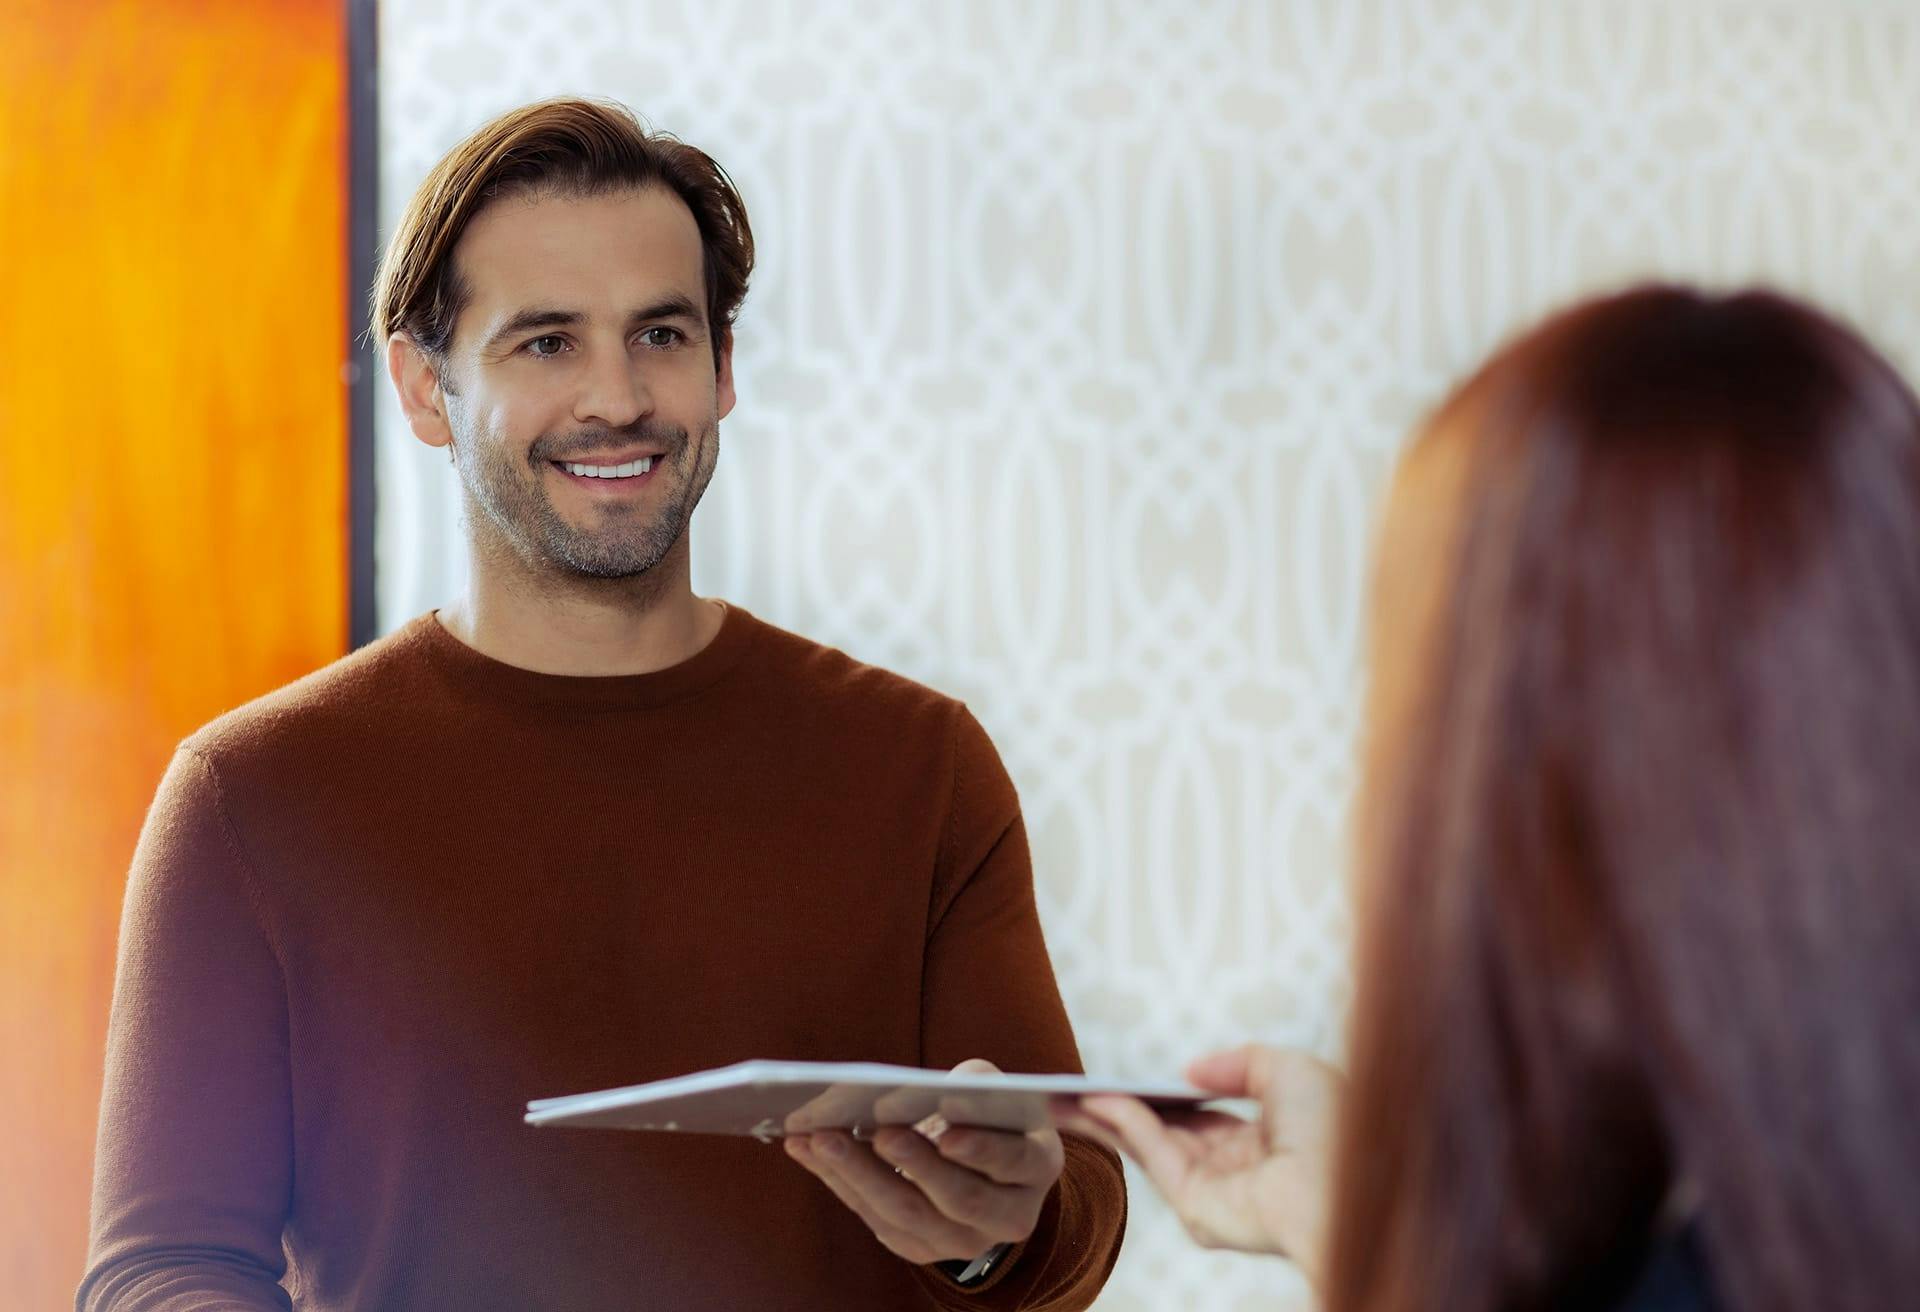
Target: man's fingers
887, 1201
801, 1149
949, 1193
968, 1108
1004, 1156
837, 1104
995, 1212
823, 1168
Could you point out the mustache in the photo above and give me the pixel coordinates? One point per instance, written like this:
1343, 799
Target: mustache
582, 441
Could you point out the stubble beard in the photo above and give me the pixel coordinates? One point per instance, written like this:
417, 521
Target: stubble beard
510, 495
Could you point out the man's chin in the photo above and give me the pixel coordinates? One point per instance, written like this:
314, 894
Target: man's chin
607, 563
609, 571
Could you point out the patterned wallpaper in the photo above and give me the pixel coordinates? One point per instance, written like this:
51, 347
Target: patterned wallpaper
1084, 337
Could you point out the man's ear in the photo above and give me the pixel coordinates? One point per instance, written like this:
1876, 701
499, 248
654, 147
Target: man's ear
417, 384
723, 397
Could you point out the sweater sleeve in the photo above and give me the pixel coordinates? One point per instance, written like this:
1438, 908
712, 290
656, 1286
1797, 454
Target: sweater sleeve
193, 1168
989, 991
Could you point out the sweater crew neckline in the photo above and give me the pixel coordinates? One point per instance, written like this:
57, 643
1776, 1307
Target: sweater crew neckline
475, 672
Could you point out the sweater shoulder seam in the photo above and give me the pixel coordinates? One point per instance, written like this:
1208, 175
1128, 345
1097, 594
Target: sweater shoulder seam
236, 848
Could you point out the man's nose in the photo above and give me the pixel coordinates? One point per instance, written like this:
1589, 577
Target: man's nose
613, 392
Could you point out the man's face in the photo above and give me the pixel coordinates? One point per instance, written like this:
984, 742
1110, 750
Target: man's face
581, 387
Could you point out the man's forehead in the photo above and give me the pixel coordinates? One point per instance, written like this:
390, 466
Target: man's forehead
586, 250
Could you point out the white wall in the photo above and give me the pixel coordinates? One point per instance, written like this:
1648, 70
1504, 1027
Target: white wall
1083, 338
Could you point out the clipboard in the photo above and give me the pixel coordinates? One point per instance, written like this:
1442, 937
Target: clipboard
769, 1100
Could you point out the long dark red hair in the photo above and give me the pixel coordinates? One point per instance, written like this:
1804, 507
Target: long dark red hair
1639, 877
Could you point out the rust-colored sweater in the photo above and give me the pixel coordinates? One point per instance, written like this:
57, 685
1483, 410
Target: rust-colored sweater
374, 913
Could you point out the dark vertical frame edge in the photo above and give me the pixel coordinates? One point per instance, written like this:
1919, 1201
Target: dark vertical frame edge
362, 371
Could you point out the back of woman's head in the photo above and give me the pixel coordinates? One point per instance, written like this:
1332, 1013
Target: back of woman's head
1640, 829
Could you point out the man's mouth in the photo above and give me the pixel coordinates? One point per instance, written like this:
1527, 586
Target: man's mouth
627, 469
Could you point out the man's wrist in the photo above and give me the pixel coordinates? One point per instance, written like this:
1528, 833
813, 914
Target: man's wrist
962, 1272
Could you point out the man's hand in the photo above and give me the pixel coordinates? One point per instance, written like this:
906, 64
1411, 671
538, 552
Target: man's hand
1259, 1187
950, 1197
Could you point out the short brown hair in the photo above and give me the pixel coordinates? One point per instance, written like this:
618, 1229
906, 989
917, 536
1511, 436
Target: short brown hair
566, 146
1638, 886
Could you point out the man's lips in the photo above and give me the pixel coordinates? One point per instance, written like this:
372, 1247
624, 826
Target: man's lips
615, 470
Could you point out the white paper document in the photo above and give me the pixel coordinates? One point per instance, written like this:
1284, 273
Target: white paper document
771, 1099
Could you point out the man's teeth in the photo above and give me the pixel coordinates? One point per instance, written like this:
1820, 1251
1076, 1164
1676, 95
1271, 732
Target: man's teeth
628, 470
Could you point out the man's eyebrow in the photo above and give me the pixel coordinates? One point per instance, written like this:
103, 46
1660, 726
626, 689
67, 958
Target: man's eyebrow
536, 316
675, 306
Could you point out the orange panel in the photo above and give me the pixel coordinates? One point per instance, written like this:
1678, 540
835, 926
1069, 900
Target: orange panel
173, 527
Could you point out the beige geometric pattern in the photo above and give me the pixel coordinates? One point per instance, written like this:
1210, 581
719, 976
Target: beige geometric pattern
1083, 338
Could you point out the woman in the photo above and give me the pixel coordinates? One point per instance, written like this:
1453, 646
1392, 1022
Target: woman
1638, 1011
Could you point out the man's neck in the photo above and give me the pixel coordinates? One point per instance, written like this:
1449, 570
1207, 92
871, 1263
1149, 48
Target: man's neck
584, 626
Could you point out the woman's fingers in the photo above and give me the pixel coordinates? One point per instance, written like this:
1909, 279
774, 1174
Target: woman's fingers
1143, 1137
1201, 1120
1068, 1118
1297, 1091
1227, 1073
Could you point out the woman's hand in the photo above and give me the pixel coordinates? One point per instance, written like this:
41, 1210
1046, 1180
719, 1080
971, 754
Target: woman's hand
1261, 1187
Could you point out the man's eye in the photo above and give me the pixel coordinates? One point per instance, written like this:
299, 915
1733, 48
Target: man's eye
551, 344
660, 337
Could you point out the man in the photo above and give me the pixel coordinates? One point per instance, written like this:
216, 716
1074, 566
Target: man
581, 828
